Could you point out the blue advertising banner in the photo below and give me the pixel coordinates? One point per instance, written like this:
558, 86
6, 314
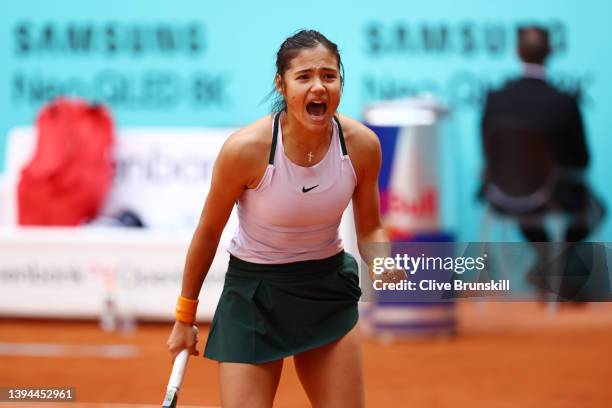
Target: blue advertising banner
199, 63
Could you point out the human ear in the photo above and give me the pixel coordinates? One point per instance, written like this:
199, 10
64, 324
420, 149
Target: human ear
278, 84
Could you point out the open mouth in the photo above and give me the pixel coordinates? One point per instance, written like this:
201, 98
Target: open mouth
316, 109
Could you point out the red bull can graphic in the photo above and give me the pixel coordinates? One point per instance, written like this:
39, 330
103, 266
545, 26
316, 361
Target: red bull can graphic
409, 181
410, 193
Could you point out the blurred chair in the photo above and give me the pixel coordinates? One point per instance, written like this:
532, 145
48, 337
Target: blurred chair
521, 171
520, 180
521, 175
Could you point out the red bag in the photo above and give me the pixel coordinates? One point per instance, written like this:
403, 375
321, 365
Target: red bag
72, 169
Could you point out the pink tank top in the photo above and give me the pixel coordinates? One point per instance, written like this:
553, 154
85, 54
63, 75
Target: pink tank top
294, 213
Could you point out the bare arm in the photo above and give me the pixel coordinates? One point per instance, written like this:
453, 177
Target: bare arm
372, 239
371, 236
226, 186
234, 170
364, 150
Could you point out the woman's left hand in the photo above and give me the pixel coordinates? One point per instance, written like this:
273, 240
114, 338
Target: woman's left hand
395, 275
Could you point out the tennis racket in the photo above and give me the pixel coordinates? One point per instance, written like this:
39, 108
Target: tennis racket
176, 377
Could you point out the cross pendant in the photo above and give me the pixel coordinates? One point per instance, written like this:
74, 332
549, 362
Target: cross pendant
310, 156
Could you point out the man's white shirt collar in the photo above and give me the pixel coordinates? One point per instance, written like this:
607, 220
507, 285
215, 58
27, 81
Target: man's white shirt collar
534, 71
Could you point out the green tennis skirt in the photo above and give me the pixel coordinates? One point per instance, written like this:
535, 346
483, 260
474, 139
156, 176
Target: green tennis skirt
267, 312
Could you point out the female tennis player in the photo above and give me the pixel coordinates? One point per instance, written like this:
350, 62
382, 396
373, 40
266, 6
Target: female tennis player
290, 289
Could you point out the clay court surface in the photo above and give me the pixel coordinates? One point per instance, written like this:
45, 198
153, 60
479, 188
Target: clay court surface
505, 355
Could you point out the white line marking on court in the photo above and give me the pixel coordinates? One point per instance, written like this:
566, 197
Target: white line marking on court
115, 351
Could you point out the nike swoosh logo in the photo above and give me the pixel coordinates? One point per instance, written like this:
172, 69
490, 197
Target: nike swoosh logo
305, 190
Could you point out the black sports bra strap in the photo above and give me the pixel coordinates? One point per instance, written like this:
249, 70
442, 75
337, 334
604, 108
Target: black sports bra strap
341, 136
274, 138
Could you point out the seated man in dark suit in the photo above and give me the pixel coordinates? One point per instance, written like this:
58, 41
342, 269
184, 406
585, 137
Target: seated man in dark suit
534, 103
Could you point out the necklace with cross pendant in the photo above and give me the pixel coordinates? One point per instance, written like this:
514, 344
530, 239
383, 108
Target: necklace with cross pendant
310, 156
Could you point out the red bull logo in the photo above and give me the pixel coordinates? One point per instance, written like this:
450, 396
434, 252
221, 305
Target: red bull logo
424, 205
407, 216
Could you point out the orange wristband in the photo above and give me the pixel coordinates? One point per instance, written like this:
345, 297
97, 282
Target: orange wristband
186, 310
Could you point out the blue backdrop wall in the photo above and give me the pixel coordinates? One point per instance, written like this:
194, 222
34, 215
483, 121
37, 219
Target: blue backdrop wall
200, 63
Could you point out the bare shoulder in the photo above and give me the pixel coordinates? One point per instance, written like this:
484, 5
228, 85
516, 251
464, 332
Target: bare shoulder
362, 144
245, 152
251, 139
359, 138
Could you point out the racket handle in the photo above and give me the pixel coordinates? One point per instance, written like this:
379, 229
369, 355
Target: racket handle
178, 369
